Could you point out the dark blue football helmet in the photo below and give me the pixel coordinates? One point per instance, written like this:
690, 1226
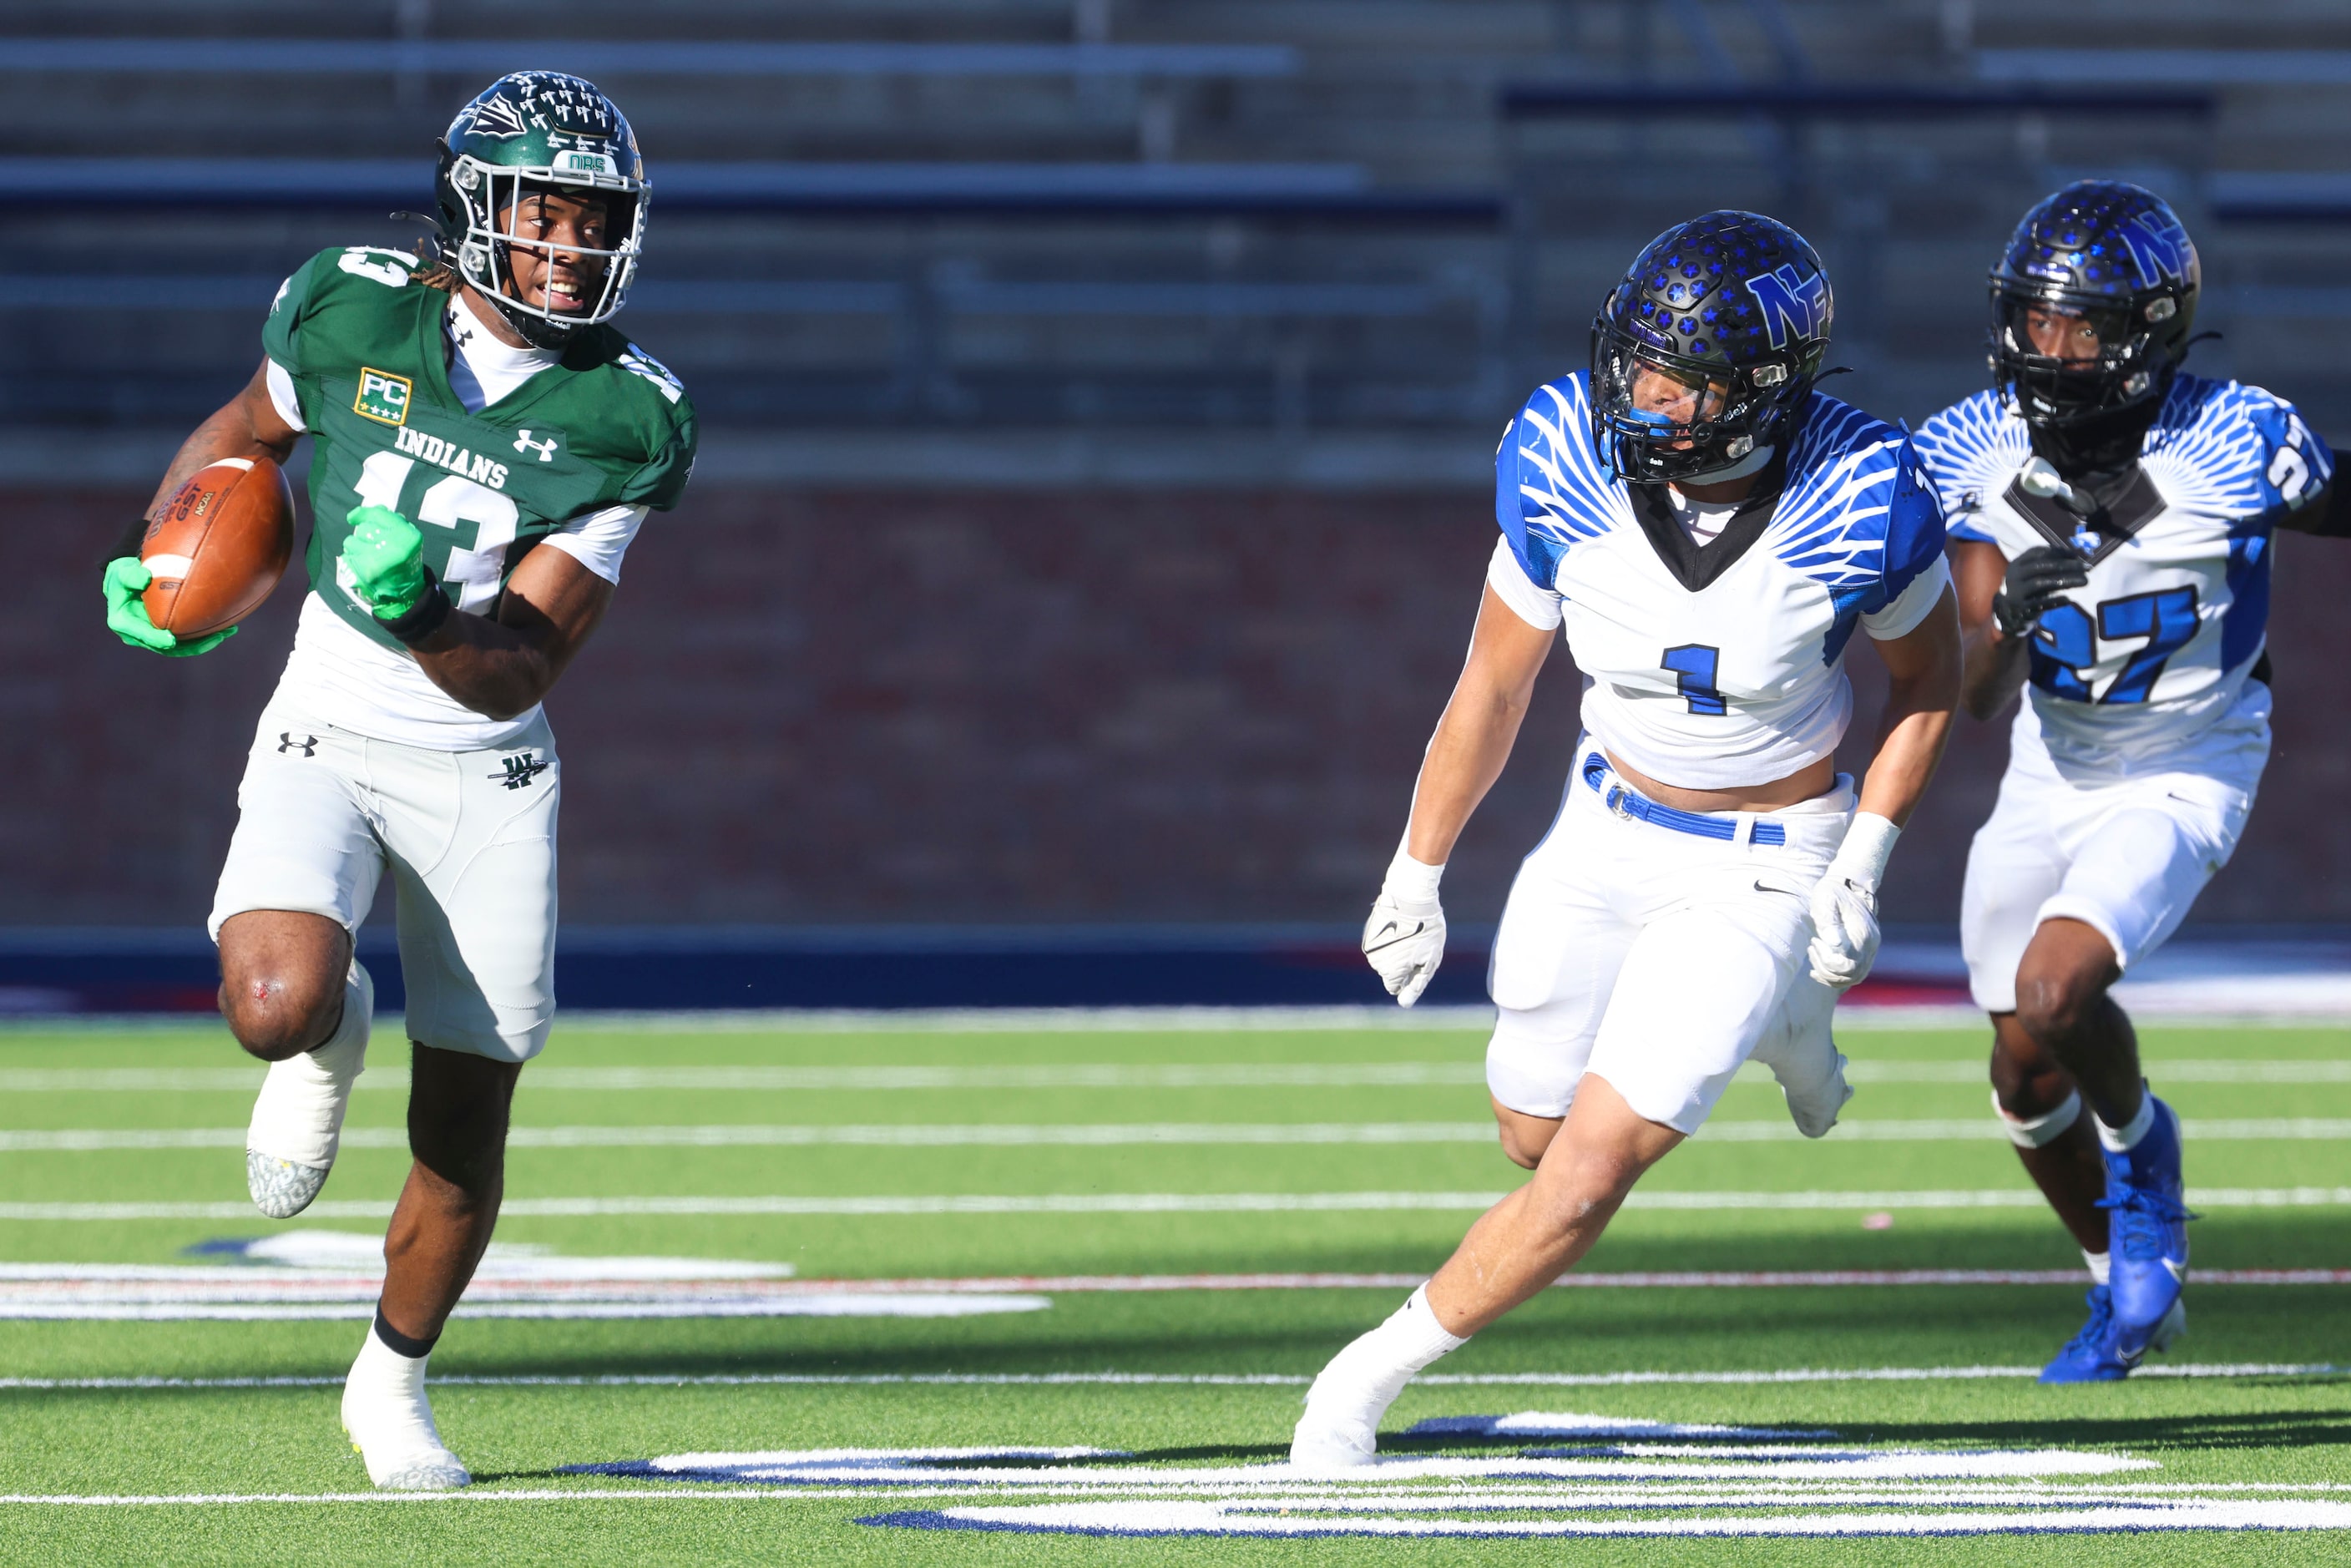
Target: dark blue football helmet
1707, 350
2092, 305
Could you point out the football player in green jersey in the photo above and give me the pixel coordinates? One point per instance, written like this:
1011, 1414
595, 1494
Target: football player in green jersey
483, 448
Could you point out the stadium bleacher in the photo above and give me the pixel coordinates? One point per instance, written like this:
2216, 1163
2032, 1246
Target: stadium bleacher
1073, 255
874, 206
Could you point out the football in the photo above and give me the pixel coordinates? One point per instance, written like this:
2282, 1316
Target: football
218, 547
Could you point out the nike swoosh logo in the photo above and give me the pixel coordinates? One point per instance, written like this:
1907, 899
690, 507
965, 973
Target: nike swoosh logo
1783, 892
1392, 941
2179, 1271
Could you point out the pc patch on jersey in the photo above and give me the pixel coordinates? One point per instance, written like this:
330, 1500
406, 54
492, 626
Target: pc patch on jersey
382, 397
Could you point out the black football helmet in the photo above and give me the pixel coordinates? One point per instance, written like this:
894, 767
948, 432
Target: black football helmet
547, 131
2092, 305
1704, 353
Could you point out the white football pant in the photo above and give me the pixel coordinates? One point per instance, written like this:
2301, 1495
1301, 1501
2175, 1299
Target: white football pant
469, 839
1661, 960
2125, 856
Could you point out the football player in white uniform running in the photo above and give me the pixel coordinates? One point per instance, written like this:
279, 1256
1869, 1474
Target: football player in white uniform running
1710, 531
483, 448
2110, 523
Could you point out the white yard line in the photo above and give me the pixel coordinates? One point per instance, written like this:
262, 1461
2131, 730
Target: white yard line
1158, 1203
149, 1293
1766, 1378
1067, 1075
917, 1134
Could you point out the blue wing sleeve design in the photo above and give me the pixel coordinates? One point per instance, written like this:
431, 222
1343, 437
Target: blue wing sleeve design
1550, 489
1963, 450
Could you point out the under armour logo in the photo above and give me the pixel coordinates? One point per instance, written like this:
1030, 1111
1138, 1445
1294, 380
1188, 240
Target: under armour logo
519, 771
307, 746
546, 449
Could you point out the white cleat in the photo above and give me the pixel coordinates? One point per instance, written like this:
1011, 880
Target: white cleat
1341, 1428
390, 1424
297, 1120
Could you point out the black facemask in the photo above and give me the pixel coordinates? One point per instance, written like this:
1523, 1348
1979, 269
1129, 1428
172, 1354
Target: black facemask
2097, 447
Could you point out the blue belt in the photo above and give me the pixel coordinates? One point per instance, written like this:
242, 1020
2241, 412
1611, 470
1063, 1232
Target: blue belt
1625, 803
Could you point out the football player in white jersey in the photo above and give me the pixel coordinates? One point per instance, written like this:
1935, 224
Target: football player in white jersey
1710, 531
2112, 521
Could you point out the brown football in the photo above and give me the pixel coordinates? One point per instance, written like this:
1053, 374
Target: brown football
218, 547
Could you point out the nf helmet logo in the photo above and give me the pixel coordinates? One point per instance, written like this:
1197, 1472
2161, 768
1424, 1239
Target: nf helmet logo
2158, 248
546, 449
382, 397
1794, 307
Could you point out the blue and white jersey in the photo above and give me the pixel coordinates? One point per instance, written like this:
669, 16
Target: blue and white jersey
1723, 665
2157, 646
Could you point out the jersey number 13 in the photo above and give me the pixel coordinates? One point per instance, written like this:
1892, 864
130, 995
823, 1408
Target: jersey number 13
467, 527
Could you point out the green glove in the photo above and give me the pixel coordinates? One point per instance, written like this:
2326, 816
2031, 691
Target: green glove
386, 554
126, 615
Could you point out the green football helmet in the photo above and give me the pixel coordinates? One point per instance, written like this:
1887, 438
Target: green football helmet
540, 129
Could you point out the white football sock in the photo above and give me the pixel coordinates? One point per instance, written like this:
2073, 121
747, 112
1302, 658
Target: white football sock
2123, 1139
2039, 1132
391, 1422
2099, 1262
1343, 1407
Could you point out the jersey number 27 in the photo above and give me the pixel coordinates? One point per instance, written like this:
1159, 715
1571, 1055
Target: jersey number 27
2066, 645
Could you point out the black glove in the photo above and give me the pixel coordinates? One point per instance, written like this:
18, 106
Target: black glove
2036, 579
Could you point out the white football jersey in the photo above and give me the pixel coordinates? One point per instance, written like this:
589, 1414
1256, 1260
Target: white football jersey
2157, 646
1723, 665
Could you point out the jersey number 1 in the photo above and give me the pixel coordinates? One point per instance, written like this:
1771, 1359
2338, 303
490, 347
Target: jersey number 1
1694, 665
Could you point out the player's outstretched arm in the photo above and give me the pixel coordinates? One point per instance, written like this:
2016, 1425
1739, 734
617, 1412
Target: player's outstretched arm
1922, 667
1923, 672
1404, 937
499, 665
1479, 726
2326, 515
248, 425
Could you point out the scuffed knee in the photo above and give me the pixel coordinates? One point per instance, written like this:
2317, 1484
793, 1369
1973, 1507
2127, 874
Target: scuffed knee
273, 1018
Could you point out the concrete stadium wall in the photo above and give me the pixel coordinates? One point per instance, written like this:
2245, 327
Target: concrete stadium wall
994, 706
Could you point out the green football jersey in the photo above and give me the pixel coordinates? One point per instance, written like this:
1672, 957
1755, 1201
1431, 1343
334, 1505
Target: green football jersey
364, 345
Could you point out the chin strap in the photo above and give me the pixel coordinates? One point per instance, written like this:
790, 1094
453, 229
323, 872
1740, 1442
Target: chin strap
1755, 462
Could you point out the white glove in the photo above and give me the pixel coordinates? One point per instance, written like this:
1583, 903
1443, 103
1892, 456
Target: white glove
1844, 904
1404, 937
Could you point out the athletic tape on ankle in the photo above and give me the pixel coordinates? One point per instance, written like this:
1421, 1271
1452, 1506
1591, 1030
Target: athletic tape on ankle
2039, 1132
399, 1342
2122, 1140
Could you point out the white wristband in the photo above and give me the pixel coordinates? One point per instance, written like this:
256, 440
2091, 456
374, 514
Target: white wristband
1868, 845
1412, 881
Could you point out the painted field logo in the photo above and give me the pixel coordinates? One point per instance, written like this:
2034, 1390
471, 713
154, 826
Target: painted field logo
383, 397
1533, 1474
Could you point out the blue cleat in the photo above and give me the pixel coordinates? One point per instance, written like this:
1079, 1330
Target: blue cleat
2149, 1224
2096, 1355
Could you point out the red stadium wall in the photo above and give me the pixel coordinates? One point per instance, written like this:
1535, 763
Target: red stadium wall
999, 706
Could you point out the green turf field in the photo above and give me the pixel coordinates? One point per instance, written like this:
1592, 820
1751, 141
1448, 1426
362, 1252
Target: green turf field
980, 1161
